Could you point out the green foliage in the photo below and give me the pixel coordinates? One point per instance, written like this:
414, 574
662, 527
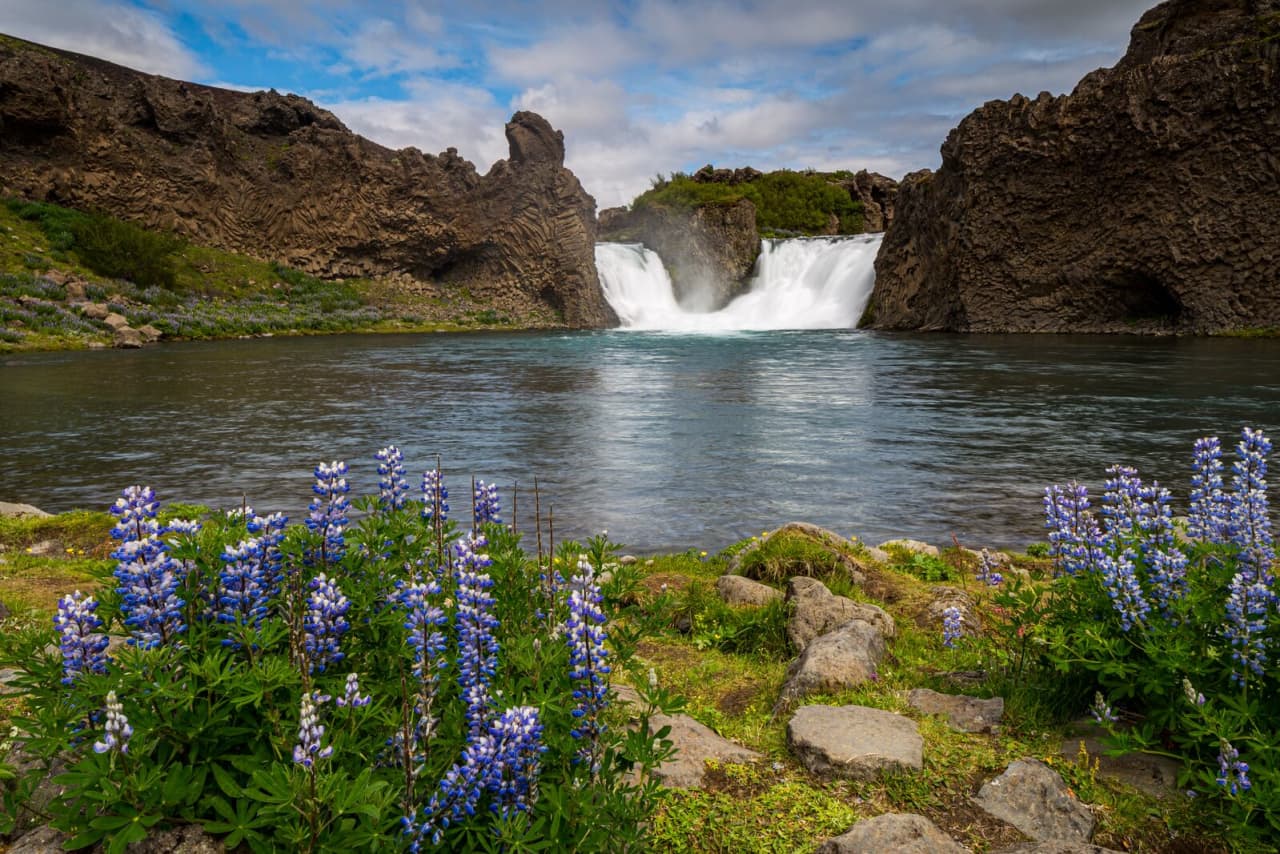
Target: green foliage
107, 246
786, 202
925, 567
784, 555
214, 725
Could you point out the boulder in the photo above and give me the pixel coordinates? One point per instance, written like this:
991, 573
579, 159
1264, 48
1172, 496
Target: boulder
1155, 775
116, 321
150, 334
900, 833
854, 741
1056, 847
94, 310
10, 509
39, 840
822, 552
815, 610
967, 714
739, 591
184, 839
834, 661
1032, 797
628, 560
127, 338
913, 546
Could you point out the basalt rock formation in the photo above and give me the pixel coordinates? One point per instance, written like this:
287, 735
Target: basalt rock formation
709, 250
276, 177
1144, 201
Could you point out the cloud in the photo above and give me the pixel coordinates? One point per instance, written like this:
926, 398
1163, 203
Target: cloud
114, 31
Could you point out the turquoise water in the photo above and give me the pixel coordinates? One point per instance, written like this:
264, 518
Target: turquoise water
666, 441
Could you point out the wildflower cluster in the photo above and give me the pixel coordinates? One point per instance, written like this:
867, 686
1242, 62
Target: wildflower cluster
149, 577
989, 569
325, 622
952, 626
117, 732
84, 648
310, 735
244, 587
477, 646
393, 488
584, 632
329, 509
435, 495
487, 504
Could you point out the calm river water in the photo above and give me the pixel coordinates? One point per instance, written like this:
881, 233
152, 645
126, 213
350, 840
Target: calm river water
667, 441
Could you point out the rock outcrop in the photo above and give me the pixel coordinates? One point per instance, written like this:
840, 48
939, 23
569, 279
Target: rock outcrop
1144, 201
709, 250
278, 178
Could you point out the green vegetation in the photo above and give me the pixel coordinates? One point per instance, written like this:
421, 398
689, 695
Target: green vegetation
786, 202
187, 291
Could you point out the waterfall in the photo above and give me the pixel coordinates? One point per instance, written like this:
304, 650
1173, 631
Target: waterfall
803, 283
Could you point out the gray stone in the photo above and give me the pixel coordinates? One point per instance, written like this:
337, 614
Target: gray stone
116, 321
127, 338
877, 554
900, 833
914, 546
628, 560
815, 610
9, 509
1155, 775
33, 813
75, 290
8, 675
40, 840
1056, 847
835, 661
738, 590
185, 839
854, 741
150, 334
965, 713
1032, 797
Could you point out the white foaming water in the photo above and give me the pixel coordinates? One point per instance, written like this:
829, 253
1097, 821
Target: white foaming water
804, 283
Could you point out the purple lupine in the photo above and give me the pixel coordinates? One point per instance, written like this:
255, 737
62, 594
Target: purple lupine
351, 697
477, 646
309, 748
135, 511
435, 495
514, 783
269, 531
423, 620
1250, 522
458, 794
952, 626
584, 632
1210, 515
1249, 601
1166, 562
182, 527
117, 732
329, 508
84, 648
1126, 508
487, 504
149, 583
244, 586
324, 623
988, 569
1074, 537
1233, 774
393, 488
1101, 710
1120, 579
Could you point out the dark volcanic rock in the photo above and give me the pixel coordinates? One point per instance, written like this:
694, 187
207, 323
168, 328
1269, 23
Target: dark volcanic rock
877, 194
276, 177
1145, 201
709, 251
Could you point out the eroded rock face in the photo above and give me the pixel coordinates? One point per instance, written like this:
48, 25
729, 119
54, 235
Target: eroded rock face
1144, 201
276, 177
709, 251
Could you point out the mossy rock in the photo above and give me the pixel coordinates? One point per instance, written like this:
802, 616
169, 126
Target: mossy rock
798, 548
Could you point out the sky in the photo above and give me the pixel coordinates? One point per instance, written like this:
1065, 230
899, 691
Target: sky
639, 87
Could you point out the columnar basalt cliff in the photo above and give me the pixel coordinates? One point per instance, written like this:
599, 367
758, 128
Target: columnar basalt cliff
1148, 200
276, 177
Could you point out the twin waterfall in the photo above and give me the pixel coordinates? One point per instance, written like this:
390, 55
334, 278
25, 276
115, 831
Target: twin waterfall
803, 283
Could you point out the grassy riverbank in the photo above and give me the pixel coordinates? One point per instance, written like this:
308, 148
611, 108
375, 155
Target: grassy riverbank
729, 663
52, 260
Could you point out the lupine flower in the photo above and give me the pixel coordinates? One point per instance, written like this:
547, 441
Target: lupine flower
84, 649
1250, 522
514, 783
324, 623
424, 620
435, 495
1101, 710
1120, 579
183, 527
310, 732
458, 795
585, 635
244, 587
952, 626
135, 511
1074, 537
269, 531
487, 503
1193, 696
1233, 774
351, 698
329, 508
1210, 515
987, 569
117, 732
393, 489
149, 582
1248, 603
477, 646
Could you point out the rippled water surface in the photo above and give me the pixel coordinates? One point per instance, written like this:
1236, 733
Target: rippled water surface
668, 441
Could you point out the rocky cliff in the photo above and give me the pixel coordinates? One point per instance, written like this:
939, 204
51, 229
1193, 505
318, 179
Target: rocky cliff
1147, 200
276, 177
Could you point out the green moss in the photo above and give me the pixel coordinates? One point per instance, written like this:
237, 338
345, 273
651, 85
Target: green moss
788, 554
